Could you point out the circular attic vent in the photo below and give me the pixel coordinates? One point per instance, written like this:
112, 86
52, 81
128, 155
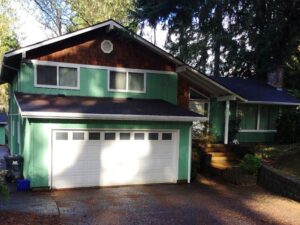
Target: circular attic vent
107, 46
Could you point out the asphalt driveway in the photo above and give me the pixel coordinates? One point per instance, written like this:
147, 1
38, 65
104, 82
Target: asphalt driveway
206, 203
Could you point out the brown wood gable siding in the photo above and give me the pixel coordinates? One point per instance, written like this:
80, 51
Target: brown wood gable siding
127, 53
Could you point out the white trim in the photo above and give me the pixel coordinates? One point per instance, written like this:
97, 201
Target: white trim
227, 97
57, 65
87, 66
258, 117
127, 82
59, 115
103, 48
227, 114
272, 103
110, 23
190, 155
257, 131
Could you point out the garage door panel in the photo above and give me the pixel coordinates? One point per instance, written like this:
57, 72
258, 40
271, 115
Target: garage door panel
83, 163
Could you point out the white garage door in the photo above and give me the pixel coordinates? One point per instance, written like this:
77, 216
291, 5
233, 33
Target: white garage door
105, 158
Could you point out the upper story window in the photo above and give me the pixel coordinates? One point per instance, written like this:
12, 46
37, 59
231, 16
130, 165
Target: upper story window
57, 76
127, 81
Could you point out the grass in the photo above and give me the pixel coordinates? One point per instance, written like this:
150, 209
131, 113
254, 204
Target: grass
283, 157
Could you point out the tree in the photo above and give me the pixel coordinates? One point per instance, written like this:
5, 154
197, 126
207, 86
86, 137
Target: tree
63, 16
55, 15
228, 37
89, 12
8, 41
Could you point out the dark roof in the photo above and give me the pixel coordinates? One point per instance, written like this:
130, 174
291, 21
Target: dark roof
3, 118
101, 106
256, 91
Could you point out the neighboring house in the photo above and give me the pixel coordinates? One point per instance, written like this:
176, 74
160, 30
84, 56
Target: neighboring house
102, 106
3, 123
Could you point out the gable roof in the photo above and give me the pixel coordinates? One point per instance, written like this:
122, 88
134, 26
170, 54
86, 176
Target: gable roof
12, 59
256, 91
78, 107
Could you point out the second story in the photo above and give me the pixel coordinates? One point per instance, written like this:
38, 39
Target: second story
105, 60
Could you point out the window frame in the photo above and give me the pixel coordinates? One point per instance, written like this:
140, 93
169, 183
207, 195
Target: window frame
57, 86
258, 120
127, 72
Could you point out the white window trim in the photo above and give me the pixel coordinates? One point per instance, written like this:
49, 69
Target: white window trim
57, 65
201, 100
122, 69
127, 80
257, 124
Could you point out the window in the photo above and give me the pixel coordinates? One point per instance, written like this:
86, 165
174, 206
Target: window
167, 136
268, 117
57, 76
258, 117
124, 136
136, 81
78, 136
61, 136
94, 136
153, 136
248, 115
117, 80
139, 136
127, 81
110, 136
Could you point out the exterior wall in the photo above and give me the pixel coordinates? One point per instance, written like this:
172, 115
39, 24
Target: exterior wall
85, 49
94, 82
37, 143
217, 119
13, 119
2, 135
256, 137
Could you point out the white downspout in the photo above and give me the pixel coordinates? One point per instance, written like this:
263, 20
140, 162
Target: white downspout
190, 155
227, 114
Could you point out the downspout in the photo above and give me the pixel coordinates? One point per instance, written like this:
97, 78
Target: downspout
227, 114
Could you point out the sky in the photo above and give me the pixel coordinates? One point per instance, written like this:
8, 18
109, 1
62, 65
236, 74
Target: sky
31, 31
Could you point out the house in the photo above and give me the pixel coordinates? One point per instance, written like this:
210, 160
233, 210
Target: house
102, 106
252, 105
3, 123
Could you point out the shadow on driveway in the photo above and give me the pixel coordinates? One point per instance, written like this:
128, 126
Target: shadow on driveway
206, 203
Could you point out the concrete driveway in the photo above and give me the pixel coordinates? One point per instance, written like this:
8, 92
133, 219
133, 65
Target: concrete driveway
206, 203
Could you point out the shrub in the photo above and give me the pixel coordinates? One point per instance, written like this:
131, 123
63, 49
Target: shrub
288, 127
250, 164
206, 136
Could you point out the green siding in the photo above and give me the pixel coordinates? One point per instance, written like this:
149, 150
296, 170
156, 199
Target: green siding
217, 119
37, 143
2, 135
93, 82
256, 137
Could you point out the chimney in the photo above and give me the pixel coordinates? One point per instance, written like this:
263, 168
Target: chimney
275, 78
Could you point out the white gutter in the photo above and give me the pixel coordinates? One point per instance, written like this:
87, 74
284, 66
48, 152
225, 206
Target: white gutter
273, 103
59, 115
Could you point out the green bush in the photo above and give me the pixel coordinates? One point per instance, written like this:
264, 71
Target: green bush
250, 164
288, 127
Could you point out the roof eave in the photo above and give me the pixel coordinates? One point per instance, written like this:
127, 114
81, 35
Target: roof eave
273, 103
58, 115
